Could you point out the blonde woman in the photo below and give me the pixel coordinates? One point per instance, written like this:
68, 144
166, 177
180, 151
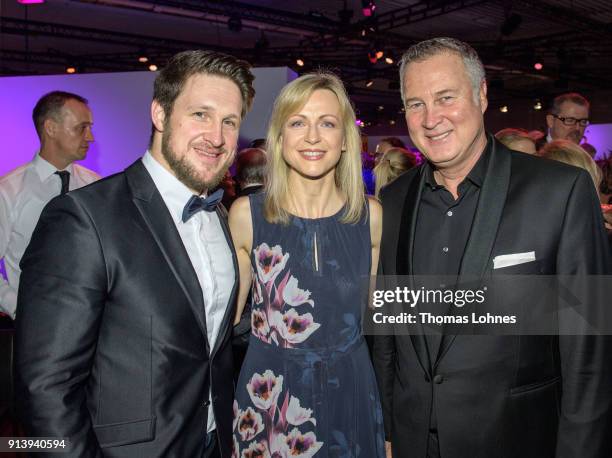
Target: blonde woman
393, 163
517, 139
305, 248
570, 153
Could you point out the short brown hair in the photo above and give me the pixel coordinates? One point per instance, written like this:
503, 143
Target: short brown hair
572, 97
251, 166
50, 106
172, 78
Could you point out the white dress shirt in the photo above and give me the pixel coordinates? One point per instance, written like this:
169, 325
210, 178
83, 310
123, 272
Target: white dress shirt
207, 248
24, 192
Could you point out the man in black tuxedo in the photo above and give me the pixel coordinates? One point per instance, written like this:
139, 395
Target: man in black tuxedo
473, 204
127, 293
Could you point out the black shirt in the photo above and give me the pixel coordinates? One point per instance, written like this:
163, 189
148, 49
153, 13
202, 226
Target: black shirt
443, 223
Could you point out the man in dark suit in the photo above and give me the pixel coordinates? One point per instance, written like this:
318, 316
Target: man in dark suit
472, 205
127, 292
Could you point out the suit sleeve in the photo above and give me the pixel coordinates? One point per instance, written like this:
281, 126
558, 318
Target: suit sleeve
60, 303
586, 360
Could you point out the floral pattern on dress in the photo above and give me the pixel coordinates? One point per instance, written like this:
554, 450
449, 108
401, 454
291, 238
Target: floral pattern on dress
282, 438
274, 317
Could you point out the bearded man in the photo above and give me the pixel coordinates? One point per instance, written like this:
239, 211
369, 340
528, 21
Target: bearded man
127, 292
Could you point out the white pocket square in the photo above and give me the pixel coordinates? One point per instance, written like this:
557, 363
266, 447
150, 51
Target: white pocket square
507, 260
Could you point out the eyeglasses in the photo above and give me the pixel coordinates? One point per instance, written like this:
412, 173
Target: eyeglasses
572, 121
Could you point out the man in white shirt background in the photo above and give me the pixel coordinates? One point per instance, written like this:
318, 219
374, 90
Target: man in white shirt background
63, 122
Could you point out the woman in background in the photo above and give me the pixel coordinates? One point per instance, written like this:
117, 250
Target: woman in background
569, 153
307, 246
391, 165
517, 140
572, 154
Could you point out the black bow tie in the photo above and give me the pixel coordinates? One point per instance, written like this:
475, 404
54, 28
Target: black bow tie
196, 204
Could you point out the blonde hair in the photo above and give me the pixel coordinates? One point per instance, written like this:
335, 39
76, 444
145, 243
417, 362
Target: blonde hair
393, 163
348, 170
569, 153
510, 136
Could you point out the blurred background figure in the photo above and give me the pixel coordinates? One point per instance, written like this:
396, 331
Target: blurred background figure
385, 144
568, 117
250, 171
391, 165
517, 139
589, 149
570, 153
229, 190
538, 137
258, 143
605, 189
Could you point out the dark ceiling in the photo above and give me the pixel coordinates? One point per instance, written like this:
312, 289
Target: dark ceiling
572, 39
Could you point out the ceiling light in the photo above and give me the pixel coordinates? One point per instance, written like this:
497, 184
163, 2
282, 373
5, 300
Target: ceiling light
380, 54
538, 66
143, 59
389, 60
504, 109
537, 106
153, 68
369, 83
299, 62
70, 70
368, 7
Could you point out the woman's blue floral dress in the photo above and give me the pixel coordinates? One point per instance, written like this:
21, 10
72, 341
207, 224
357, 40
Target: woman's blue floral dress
307, 386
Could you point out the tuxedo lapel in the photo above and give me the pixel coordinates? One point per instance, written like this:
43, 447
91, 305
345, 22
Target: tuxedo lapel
407, 226
159, 222
477, 255
404, 250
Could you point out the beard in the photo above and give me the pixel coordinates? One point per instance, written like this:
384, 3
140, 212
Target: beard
574, 136
186, 172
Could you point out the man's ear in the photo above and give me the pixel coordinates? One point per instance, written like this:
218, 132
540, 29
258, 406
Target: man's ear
158, 116
550, 119
50, 127
482, 95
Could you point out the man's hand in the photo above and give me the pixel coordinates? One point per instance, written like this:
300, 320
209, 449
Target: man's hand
388, 451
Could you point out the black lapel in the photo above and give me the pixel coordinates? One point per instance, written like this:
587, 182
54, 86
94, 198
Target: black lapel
230, 309
154, 212
407, 227
404, 250
477, 255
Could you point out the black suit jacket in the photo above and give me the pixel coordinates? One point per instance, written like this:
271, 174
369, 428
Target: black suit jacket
111, 346
502, 396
